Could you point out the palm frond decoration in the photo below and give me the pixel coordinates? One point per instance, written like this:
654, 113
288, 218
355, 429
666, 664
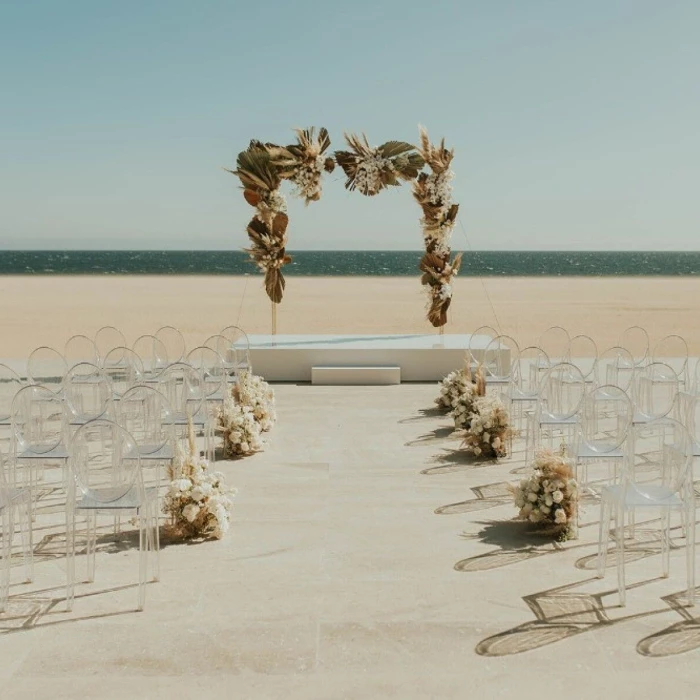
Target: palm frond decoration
433, 192
304, 162
370, 169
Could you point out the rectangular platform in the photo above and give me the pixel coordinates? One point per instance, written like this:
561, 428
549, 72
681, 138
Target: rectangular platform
290, 358
355, 376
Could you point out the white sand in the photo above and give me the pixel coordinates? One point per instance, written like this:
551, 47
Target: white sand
48, 310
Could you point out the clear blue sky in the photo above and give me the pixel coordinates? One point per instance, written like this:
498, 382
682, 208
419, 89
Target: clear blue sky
576, 123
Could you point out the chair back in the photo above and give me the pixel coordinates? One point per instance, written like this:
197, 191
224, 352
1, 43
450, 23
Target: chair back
173, 341
662, 458
108, 337
636, 341
124, 368
555, 342
223, 347
87, 391
208, 363
562, 391
104, 463
39, 420
500, 356
183, 388
673, 350
476, 346
616, 366
583, 352
239, 341
80, 348
10, 384
606, 418
655, 390
47, 367
147, 416
153, 354
527, 371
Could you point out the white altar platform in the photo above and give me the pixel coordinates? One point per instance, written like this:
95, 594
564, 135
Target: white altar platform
291, 358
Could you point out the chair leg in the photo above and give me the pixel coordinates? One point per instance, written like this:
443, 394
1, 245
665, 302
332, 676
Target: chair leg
6, 552
665, 542
91, 527
690, 552
620, 547
26, 533
70, 557
603, 536
143, 552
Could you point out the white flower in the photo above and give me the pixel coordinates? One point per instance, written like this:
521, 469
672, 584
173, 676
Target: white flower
559, 516
190, 511
496, 443
532, 497
557, 496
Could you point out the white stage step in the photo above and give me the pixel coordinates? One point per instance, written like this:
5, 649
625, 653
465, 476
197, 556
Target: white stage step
358, 376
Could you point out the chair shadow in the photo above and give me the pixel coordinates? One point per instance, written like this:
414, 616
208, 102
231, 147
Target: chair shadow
451, 461
559, 614
679, 638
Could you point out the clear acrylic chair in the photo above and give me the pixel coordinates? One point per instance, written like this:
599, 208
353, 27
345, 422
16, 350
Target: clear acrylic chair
635, 339
182, 386
10, 384
124, 368
555, 341
108, 337
80, 348
499, 357
476, 346
15, 499
616, 366
691, 420
658, 476
673, 350
88, 393
524, 384
153, 354
173, 341
106, 478
39, 428
147, 416
560, 397
606, 418
583, 352
241, 343
47, 367
654, 392
227, 352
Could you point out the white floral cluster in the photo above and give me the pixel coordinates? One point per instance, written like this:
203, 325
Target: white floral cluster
240, 429
253, 391
549, 495
455, 385
443, 291
464, 407
198, 501
439, 188
307, 179
489, 427
274, 202
368, 173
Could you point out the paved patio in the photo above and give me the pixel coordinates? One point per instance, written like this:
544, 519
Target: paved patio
367, 559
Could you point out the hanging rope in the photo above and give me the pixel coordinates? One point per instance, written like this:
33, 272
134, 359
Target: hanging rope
481, 279
240, 308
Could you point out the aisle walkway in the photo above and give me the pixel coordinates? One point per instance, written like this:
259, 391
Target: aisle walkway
367, 560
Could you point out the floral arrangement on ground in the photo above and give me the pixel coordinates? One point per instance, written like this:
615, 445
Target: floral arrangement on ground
240, 429
453, 386
253, 391
198, 501
549, 497
489, 430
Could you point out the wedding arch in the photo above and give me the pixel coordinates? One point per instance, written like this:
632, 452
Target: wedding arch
262, 168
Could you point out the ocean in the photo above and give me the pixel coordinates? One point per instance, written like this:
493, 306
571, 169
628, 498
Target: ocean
348, 263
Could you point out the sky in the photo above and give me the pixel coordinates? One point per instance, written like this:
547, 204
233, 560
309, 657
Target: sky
576, 125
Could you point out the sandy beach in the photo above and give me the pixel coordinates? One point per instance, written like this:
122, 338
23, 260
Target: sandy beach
48, 310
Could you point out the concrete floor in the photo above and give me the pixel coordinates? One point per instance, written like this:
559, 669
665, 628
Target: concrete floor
367, 559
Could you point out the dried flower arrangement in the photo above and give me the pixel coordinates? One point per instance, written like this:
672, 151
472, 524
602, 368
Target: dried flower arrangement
549, 497
261, 168
240, 430
456, 383
371, 169
198, 500
253, 391
433, 192
489, 431
463, 411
